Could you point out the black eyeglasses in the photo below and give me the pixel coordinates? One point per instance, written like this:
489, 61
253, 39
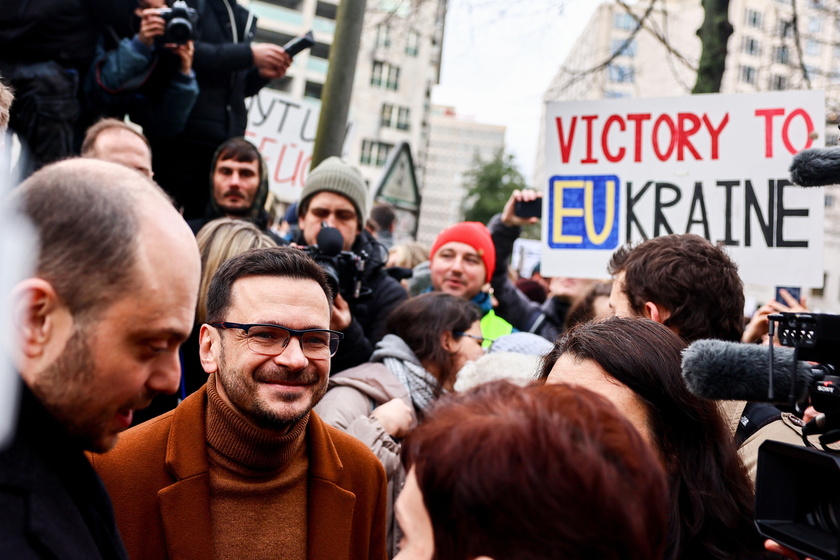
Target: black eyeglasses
480, 339
271, 340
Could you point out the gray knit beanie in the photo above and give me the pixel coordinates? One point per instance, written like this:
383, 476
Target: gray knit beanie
335, 175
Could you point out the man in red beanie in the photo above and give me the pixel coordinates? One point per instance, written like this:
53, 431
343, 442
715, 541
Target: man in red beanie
462, 262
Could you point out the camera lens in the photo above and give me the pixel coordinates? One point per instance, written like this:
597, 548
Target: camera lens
825, 515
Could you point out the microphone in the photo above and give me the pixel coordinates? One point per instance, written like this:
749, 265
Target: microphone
816, 167
330, 241
732, 371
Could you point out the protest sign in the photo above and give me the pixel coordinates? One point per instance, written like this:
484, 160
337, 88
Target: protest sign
283, 130
714, 165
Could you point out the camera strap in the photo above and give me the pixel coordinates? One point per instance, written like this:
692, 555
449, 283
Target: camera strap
755, 416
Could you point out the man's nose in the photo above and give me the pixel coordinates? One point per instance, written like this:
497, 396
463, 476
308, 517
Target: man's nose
292, 356
166, 375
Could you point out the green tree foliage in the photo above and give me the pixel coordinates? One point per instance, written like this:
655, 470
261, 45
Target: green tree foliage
489, 185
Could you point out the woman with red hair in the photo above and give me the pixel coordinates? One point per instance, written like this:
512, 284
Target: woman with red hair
510, 473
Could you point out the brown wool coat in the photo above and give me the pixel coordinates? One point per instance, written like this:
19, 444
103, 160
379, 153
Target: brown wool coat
158, 479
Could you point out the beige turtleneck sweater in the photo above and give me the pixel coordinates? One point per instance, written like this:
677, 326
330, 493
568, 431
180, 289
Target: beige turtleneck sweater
257, 486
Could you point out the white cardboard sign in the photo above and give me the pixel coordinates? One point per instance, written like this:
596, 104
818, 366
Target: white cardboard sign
283, 130
716, 165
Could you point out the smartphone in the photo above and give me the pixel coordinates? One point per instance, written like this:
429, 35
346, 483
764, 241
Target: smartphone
528, 209
299, 43
795, 292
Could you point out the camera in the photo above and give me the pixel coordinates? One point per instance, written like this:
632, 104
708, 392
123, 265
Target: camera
180, 23
798, 489
344, 269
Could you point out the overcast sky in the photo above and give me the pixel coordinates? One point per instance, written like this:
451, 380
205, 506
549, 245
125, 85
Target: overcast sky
499, 57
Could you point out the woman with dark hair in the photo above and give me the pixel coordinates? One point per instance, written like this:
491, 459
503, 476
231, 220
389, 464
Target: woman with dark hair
636, 364
429, 339
510, 473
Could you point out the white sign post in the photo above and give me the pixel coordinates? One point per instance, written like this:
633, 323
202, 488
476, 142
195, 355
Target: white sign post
283, 130
715, 165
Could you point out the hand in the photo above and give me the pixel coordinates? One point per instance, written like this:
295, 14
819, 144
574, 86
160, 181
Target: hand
509, 218
759, 324
396, 417
271, 60
151, 26
568, 288
185, 53
341, 316
773, 546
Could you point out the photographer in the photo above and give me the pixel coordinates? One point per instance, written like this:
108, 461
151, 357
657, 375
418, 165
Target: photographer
229, 67
335, 194
147, 77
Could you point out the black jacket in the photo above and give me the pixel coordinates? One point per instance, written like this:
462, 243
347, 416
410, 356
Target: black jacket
225, 71
52, 503
380, 294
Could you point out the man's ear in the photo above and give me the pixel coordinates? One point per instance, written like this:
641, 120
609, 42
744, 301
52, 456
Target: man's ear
656, 312
38, 316
208, 348
42, 325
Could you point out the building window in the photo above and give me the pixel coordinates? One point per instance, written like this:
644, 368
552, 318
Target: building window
829, 200
313, 90
624, 21
751, 46
778, 83
387, 114
812, 48
620, 74
785, 29
612, 94
782, 54
752, 18
375, 153
748, 74
385, 75
403, 118
412, 43
326, 10
629, 50
814, 25
383, 36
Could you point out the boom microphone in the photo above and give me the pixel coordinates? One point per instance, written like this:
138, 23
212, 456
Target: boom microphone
329, 241
816, 167
732, 371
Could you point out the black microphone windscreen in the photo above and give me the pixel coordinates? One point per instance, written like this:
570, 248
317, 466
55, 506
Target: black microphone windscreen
816, 167
714, 369
329, 240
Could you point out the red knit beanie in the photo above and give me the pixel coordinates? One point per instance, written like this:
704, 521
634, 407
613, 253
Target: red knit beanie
474, 234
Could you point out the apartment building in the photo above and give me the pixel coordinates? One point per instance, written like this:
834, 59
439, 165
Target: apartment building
456, 143
398, 63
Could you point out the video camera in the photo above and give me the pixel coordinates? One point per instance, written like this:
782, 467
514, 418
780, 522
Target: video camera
798, 489
180, 23
345, 269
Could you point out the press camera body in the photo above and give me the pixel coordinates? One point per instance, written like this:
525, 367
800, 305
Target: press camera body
181, 21
345, 269
798, 489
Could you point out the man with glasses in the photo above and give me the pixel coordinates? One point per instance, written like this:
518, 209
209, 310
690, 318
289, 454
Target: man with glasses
242, 468
336, 195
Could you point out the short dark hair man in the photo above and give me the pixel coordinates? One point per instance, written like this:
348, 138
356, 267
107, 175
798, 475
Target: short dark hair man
243, 464
238, 186
113, 140
336, 194
98, 328
693, 287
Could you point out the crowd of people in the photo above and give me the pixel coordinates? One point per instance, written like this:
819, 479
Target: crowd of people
324, 391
